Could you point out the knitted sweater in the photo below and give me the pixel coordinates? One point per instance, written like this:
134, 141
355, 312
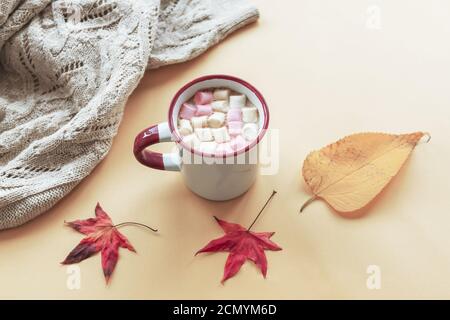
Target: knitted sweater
66, 71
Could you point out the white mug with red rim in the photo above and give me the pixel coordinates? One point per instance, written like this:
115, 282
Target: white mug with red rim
211, 176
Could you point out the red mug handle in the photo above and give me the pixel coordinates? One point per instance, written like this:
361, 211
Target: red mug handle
161, 161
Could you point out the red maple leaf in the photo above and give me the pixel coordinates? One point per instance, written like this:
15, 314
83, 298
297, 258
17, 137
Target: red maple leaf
242, 244
101, 235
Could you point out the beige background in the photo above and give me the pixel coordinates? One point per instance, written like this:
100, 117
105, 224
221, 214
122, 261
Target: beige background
325, 74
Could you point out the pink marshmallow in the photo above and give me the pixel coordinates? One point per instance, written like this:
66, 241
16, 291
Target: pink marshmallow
187, 111
224, 148
203, 97
238, 143
204, 110
234, 114
234, 128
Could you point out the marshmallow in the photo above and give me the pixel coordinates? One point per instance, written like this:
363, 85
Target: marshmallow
203, 110
199, 122
224, 148
184, 127
203, 97
221, 106
208, 147
216, 120
191, 140
220, 135
221, 94
250, 131
187, 111
204, 134
250, 114
234, 115
238, 101
234, 127
238, 143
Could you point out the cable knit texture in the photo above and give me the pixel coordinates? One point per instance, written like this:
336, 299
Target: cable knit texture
66, 71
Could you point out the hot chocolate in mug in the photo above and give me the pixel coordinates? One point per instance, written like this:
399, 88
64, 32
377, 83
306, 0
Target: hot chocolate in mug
211, 176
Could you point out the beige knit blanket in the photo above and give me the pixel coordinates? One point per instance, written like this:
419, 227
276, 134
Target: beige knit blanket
66, 71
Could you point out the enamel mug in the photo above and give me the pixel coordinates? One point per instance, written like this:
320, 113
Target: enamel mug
211, 176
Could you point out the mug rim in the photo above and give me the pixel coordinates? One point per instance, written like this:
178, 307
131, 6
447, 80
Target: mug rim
178, 138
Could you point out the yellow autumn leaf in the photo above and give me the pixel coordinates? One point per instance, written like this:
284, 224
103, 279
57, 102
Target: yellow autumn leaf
349, 173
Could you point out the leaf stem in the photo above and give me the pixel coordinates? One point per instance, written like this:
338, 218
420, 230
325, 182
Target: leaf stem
134, 224
262, 209
307, 203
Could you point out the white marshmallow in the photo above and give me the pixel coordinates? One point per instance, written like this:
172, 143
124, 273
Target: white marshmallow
223, 148
250, 114
184, 127
208, 147
238, 101
204, 134
221, 94
216, 120
221, 135
221, 106
199, 122
250, 131
191, 140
